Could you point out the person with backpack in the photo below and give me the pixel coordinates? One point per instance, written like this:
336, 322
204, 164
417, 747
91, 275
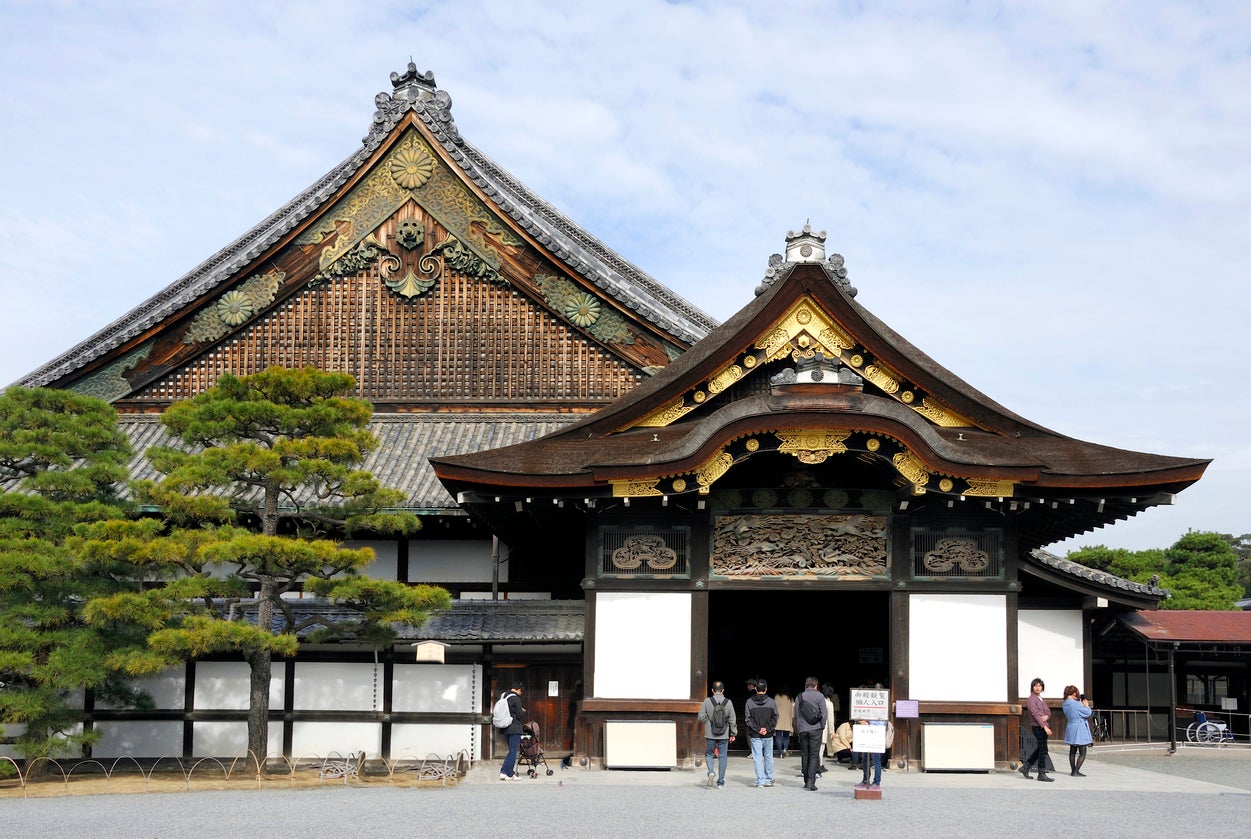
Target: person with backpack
720, 729
760, 715
810, 719
510, 702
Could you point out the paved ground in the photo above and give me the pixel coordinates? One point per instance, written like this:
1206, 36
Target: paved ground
1126, 794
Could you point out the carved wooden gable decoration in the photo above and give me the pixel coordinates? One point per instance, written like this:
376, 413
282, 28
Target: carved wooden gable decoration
418, 266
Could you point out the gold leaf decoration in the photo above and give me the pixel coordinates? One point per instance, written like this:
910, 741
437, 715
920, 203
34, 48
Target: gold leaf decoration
234, 307
812, 445
582, 310
717, 466
911, 468
411, 167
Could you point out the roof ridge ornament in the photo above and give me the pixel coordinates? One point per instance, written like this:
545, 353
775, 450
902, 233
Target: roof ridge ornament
805, 246
417, 92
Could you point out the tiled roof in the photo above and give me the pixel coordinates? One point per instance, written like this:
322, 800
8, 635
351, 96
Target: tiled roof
575, 247
1191, 626
1103, 578
405, 441
466, 621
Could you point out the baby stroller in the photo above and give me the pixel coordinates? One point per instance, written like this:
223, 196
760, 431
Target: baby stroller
530, 753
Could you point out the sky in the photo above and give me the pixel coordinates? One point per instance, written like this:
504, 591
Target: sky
1051, 199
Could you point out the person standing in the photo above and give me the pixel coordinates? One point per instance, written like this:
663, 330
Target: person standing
1077, 710
508, 772
760, 716
874, 759
1040, 716
720, 729
810, 720
782, 734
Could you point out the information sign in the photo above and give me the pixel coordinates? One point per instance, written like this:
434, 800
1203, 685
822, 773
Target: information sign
870, 704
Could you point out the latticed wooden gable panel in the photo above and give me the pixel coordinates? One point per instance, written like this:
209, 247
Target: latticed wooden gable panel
465, 340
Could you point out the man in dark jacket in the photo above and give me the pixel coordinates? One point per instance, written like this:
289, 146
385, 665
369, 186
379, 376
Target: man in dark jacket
508, 772
760, 718
810, 719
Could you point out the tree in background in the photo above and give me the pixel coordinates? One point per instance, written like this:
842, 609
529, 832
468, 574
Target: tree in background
1200, 570
62, 464
1242, 547
268, 465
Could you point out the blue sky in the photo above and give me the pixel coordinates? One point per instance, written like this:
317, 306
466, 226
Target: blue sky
1051, 199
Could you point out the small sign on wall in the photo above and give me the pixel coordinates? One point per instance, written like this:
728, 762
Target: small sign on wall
553, 688
430, 651
870, 704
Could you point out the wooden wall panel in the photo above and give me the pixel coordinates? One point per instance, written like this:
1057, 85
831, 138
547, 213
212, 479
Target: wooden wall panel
465, 340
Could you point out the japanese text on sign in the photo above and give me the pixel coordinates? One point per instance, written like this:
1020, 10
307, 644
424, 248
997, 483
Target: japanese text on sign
870, 704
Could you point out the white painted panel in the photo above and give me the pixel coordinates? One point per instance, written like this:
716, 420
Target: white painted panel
224, 685
957, 746
640, 744
319, 739
958, 647
453, 561
146, 739
446, 688
1049, 647
230, 739
419, 741
168, 689
643, 645
386, 557
337, 686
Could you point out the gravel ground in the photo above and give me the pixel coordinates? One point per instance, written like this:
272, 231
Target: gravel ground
1231, 767
672, 804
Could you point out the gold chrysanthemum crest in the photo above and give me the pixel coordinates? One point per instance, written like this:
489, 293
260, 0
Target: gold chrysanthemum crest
411, 167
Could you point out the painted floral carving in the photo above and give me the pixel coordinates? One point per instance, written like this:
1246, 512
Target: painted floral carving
411, 167
582, 310
235, 307
410, 233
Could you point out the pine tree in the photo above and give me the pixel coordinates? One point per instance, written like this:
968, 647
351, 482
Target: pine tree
62, 464
268, 463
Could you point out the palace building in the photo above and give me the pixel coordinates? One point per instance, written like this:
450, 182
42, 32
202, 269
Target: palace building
627, 499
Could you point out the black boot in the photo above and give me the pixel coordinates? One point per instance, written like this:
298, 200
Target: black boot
1024, 770
1043, 776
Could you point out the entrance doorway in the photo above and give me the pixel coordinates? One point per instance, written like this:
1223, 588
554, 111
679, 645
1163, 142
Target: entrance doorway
842, 638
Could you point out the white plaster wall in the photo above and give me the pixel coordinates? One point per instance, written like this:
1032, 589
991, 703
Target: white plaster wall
168, 689
447, 688
147, 739
230, 739
223, 685
319, 739
336, 686
386, 557
453, 561
958, 647
1049, 647
643, 645
419, 741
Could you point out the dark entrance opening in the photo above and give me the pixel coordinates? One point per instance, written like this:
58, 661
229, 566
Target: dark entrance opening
842, 638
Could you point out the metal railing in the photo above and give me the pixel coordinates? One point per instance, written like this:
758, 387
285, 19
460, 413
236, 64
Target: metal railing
1124, 728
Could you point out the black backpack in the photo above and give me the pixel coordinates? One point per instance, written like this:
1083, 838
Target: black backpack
810, 712
720, 722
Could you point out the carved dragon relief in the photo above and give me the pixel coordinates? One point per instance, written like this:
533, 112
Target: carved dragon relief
838, 547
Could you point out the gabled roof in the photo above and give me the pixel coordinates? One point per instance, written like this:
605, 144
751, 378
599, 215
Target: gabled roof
1091, 581
415, 101
805, 370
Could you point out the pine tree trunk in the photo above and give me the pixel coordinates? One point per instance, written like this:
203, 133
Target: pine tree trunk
261, 671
